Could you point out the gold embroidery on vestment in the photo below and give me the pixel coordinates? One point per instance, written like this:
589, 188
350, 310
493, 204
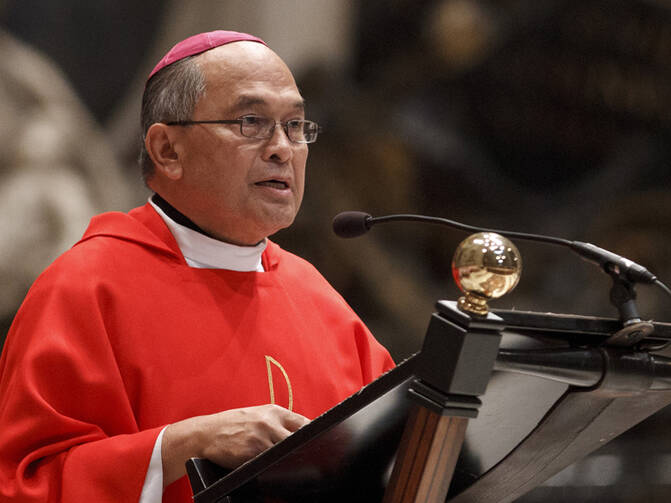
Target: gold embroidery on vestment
271, 360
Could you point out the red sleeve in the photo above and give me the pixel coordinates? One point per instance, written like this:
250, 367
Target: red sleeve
67, 428
375, 359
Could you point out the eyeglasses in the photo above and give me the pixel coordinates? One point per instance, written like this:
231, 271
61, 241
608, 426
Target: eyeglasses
253, 126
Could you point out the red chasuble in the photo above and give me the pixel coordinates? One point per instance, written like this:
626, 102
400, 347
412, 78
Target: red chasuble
119, 337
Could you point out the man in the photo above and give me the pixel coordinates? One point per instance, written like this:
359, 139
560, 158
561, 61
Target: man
179, 329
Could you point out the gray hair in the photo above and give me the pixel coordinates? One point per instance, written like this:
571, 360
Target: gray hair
170, 95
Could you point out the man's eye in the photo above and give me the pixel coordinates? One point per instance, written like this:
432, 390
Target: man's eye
251, 120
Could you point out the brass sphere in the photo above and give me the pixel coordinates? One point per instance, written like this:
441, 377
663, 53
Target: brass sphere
485, 266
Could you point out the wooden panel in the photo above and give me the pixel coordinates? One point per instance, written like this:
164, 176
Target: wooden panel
426, 458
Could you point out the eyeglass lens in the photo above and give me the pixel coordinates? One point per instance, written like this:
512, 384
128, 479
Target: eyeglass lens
299, 131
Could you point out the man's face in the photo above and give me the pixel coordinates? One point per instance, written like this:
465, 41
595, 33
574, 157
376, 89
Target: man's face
242, 189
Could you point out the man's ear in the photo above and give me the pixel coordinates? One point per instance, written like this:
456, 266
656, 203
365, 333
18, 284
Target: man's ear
159, 143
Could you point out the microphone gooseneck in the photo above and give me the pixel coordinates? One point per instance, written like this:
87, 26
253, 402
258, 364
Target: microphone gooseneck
624, 273
350, 224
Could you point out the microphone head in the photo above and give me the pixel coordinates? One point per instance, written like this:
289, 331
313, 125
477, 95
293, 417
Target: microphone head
351, 224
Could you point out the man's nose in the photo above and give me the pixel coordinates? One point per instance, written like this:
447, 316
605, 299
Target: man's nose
279, 147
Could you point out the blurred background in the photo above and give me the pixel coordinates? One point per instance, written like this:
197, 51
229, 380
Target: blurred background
542, 116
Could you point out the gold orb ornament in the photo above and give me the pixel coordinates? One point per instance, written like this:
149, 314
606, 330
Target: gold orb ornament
485, 266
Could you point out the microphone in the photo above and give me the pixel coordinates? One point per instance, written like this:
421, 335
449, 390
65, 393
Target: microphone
351, 224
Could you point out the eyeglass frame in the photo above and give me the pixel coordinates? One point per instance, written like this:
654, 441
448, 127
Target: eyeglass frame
241, 120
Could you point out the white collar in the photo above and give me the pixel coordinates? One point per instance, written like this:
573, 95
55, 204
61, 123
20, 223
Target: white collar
203, 252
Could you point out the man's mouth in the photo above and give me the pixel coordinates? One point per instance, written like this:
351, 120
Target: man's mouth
273, 184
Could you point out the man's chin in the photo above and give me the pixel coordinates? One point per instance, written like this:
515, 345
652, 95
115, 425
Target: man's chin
279, 224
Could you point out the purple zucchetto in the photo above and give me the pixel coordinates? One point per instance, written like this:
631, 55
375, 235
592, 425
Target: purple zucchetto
201, 43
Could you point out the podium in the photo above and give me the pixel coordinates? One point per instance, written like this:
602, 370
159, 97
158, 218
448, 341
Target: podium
490, 408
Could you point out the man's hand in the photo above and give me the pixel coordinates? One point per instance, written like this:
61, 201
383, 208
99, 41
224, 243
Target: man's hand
228, 438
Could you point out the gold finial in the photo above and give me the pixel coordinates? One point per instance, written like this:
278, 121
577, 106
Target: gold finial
485, 266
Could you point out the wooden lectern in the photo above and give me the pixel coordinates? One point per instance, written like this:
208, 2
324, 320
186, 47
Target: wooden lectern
404, 437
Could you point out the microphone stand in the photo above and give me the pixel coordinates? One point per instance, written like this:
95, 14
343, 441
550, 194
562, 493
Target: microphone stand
623, 297
624, 273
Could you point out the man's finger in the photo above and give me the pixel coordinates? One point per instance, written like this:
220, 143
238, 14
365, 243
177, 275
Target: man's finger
290, 420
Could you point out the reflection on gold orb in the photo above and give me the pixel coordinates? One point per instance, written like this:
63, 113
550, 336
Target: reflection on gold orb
485, 266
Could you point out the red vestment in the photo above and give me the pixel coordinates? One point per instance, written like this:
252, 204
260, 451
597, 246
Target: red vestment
119, 337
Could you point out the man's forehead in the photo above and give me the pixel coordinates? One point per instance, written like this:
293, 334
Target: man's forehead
245, 74
252, 100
